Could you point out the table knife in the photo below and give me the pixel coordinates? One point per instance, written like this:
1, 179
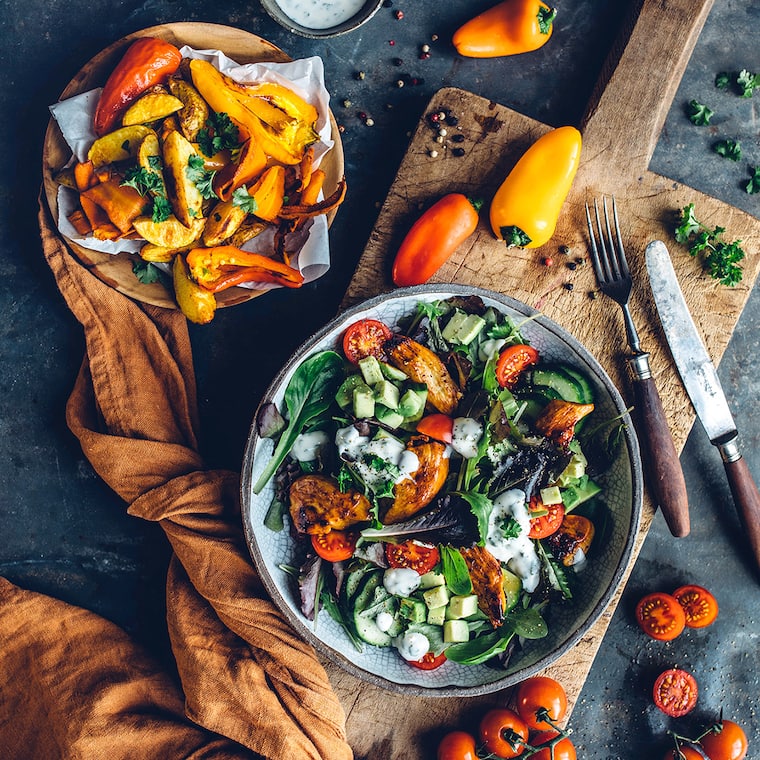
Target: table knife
703, 387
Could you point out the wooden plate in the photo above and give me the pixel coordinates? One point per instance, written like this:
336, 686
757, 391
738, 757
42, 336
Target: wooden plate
242, 47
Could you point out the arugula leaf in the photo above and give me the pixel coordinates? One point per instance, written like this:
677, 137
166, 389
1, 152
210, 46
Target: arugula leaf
722, 80
480, 506
201, 177
455, 571
699, 113
242, 199
220, 133
753, 186
747, 83
309, 394
147, 272
730, 149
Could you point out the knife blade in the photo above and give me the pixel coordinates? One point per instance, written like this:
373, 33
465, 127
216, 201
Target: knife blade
703, 387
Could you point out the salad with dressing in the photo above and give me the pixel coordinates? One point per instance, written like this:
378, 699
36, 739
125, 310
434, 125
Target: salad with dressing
439, 481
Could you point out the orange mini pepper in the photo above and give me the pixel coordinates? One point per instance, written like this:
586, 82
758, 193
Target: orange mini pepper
147, 62
509, 28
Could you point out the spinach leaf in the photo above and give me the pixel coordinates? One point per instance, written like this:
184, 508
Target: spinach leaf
480, 506
481, 649
455, 571
527, 623
310, 392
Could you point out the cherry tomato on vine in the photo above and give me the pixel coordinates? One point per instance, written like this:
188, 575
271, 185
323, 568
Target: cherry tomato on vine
675, 692
699, 604
420, 557
729, 744
457, 745
336, 545
438, 426
536, 693
512, 361
687, 753
429, 661
660, 616
564, 749
502, 732
365, 338
548, 524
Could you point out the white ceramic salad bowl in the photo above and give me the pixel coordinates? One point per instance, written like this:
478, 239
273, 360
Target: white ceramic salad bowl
567, 622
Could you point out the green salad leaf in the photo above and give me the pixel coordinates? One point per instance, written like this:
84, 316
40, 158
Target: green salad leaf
455, 571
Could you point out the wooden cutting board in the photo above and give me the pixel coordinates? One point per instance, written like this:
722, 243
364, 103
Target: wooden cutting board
620, 131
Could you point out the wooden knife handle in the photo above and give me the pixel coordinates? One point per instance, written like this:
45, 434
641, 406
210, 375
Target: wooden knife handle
662, 463
747, 500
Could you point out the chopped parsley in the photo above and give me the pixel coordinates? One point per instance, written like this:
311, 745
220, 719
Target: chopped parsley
149, 182
219, 134
242, 199
722, 80
720, 259
730, 149
147, 272
201, 177
747, 82
753, 186
162, 209
510, 528
699, 113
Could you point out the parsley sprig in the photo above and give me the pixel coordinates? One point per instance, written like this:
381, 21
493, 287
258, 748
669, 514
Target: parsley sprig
730, 149
201, 177
219, 134
753, 186
744, 82
241, 198
699, 113
720, 259
149, 182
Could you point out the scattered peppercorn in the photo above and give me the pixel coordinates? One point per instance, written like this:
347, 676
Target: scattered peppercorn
452, 120
362, 115
359, 75
369, 121
439, 138
424, 56
433, 153
399, 83
398, 62
568, 286
593, 295
458, 152
564, 249
433, 37
399, 14
346, 103
457, 138
391, 42
425, 48
580, 261
442, 132
547, 261
571, 265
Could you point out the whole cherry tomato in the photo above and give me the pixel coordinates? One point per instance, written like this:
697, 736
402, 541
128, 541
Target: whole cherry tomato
660, 616
512, 361
334, 546
438, 426
564, 749
545, 525
365, 338
729, 744
457, 745
540, 693
675, 692
699, 604
687, 753
429, 661
420, 557
502, 732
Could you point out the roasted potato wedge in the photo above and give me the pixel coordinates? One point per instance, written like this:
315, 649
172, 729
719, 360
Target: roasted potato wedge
248, 230
196, 303
415, 493
223, 220
149, 153
169, 234
194, 112
119, 145
486, 577
161, 255
151, 107
185, 197
317, 505
424, 366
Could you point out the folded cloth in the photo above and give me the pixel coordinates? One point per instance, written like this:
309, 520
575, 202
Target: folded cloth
245, 674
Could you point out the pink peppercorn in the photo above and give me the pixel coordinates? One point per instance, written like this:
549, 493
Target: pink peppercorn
399, 14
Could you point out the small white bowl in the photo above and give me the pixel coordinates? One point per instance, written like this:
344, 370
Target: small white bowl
364, 14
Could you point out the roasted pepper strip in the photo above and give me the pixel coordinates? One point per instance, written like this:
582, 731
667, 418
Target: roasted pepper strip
251, 163
147, 62
222, 267
122, 203
298, 211
269, 193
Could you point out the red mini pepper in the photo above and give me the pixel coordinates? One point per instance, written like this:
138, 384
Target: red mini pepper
147, 62
434, 237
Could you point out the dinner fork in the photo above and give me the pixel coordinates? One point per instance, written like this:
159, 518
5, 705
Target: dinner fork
615, 281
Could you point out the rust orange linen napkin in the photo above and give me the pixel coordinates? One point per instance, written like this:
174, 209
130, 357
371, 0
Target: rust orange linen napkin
246, 676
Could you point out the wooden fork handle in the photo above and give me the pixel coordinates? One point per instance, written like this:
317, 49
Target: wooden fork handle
662, 464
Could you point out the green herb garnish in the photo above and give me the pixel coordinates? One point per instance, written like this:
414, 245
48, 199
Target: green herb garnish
729, 149
753, 186
699, 113
242, 199
747, 82
219, 134
201, 177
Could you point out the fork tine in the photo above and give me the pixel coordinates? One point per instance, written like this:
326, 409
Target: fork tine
609, 272
594, 250
622, 261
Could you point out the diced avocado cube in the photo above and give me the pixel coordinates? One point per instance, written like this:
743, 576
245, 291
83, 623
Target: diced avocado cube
370, 368
551, 495
462, 606
449, 332
436, 615
389, 417
432, 579
364, 402
576, 468
438, 596
469, 329
345, 395
392, 373
456, 631
572, 496
387, 394
411, 404
413, 610
512, 586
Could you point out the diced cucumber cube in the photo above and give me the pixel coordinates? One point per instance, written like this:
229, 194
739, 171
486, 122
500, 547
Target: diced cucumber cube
436, 615
551, 495
370, 368
438, 596
512, 586
462, 606
456, 631
387, 394
364, 402
431, 579
576, 468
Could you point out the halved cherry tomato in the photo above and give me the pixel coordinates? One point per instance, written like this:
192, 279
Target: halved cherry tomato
729, 744
512, 361
336, 545
545, 525
687, 753
420, 557
429, 661
438, 426
675, 692
537, 694
564, 749
660, 616
700, 606
457, 745
365, 338
503, 732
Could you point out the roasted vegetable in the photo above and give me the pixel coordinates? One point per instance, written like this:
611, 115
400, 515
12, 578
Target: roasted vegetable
509, 28
170, 233
414, 493
151, 107
317, 505
196, 303
224, 219
570, 544
487, 582
184, 196
525, 209
558, 420
147, 61
424, 366
119, 145
194, 112
122, 204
